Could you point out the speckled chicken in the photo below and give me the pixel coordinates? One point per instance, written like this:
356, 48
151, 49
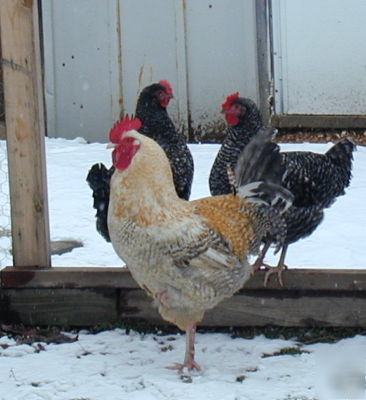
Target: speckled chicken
315, 180
157, 125
151, 110
244, 121
190, 255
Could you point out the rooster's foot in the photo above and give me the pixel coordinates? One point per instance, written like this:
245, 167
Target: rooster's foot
257, 267
190, 365
274, 270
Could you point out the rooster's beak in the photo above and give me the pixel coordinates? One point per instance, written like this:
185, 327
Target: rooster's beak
111, 145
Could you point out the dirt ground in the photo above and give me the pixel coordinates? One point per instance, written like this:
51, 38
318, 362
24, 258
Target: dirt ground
320, 135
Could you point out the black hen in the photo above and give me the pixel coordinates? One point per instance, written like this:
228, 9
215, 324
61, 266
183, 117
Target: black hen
244, 121
157, 125
315, 180
98, 179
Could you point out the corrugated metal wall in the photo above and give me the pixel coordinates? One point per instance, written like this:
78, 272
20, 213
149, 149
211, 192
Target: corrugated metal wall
100, 54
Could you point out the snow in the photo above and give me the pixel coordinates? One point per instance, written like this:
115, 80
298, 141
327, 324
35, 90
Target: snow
335, 244
115, 365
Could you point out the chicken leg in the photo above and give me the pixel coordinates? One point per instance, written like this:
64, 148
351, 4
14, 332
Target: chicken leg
259, 261
281, 266
189, 361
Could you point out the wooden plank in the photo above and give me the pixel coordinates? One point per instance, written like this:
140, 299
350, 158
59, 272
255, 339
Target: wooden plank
62, 307
88, 307
25, 131
318, 121
97, 277
2, 130
263, 58
260, 308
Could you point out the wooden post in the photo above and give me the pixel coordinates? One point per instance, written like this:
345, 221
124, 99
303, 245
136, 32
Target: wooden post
263, 49
24, 115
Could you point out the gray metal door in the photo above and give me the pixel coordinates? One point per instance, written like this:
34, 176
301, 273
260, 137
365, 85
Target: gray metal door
319, 57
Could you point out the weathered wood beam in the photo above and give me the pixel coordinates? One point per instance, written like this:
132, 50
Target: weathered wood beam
264, 307
263, 58
88, 307
25, 128
120, 278
318, 121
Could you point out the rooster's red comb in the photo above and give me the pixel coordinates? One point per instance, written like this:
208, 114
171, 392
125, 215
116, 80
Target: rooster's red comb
229, 99
167, 86
128, 123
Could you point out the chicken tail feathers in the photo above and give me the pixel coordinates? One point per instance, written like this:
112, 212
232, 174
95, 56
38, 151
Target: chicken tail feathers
341, 153
260, 160
259, 172
267, 194
99, 180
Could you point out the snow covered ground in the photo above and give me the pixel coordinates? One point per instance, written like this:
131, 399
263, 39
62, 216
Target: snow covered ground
114, 365
335, 244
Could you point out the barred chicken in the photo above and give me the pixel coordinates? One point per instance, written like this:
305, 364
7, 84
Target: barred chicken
244, 121
156, 124
151, 110
315, 180
190, 255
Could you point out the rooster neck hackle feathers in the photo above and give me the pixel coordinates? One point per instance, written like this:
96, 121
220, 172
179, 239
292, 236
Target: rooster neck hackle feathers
145, 195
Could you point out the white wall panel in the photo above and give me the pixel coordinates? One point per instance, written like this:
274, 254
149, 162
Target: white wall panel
221, 54
320, 57
100, 54
81, 64
152, 43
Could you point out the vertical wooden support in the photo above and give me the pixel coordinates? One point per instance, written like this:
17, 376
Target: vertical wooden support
263, 58
25, 125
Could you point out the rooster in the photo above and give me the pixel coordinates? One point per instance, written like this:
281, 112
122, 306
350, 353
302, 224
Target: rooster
190, 255
244, 121
151, 110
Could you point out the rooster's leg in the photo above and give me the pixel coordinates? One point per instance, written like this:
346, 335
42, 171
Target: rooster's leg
259, 261
189, 361
279, 269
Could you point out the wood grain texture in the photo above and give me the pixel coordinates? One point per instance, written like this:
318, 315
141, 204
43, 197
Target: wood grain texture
88, 307
25, 128
77, 296
118, 277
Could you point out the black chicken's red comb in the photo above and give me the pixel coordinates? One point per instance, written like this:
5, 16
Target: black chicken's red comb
128, 123
229, 99
167, 86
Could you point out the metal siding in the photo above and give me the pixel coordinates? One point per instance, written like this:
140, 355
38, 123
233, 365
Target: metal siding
99, 55
151, 51
81, 62
320, 58
221, 54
